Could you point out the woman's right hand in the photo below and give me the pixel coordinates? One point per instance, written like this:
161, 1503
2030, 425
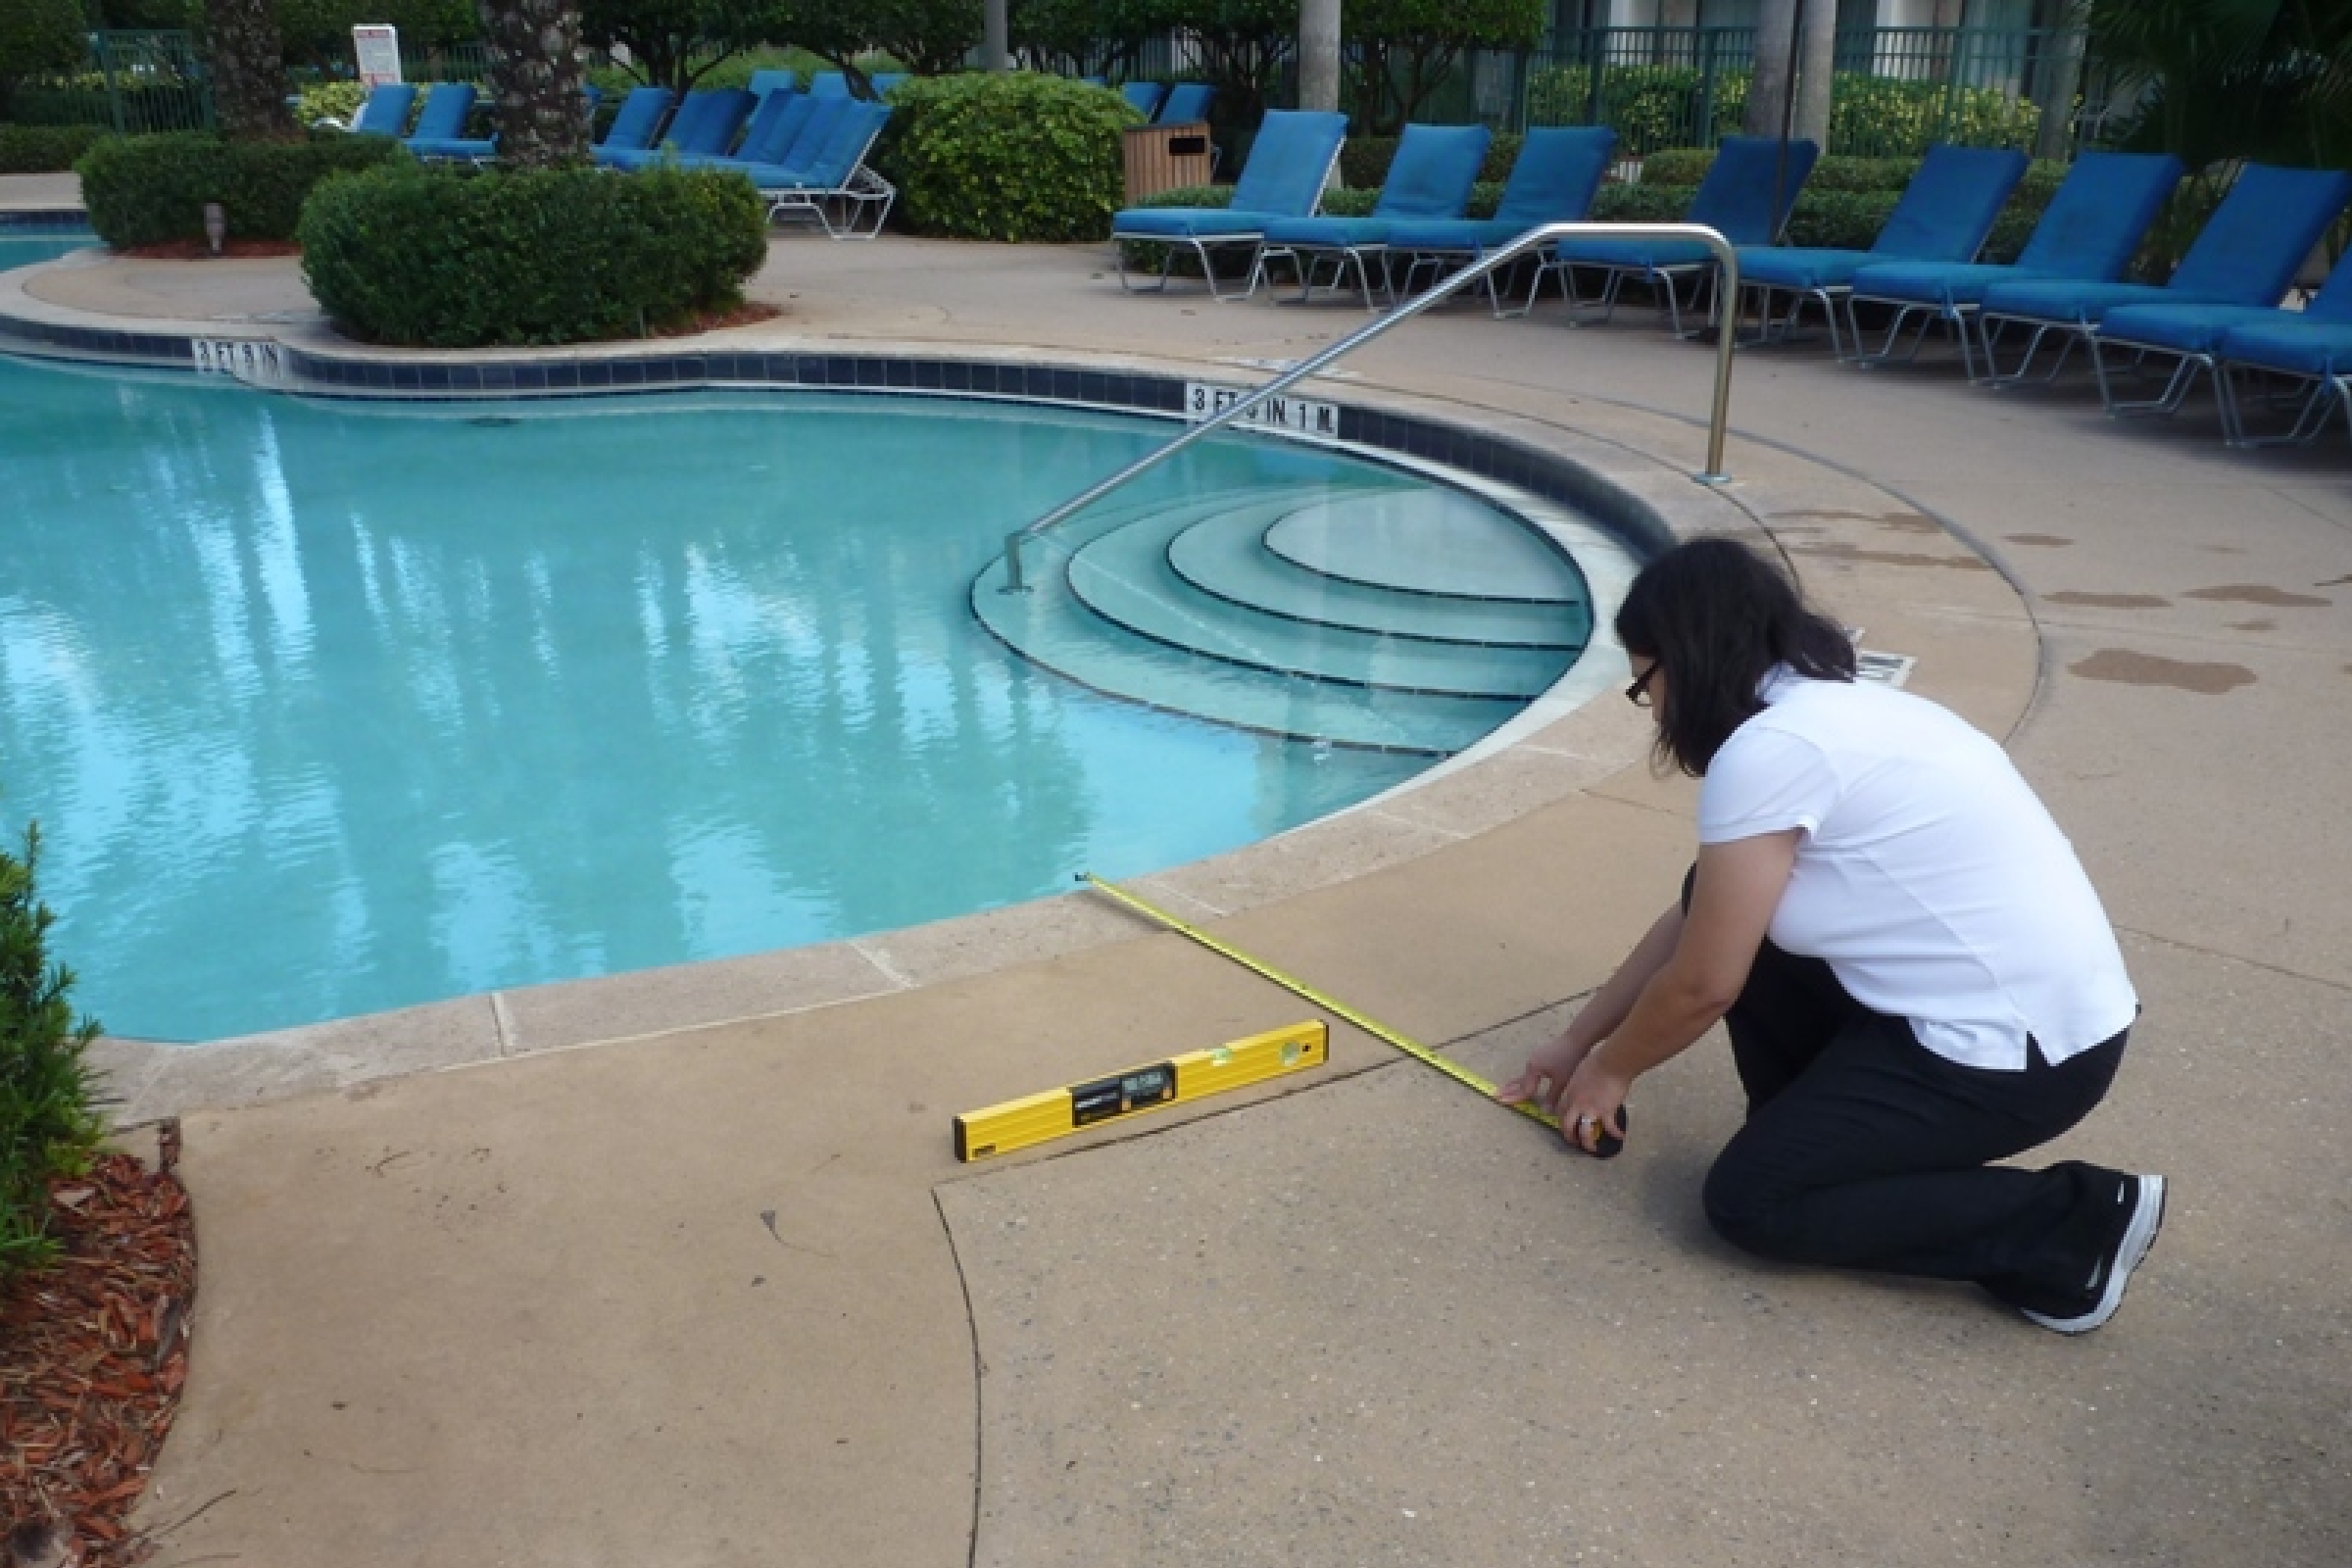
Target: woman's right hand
1546, 1073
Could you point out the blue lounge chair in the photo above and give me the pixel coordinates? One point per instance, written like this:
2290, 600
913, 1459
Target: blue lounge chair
793, 143
1430, 177
829, 84
1735, 199
1943, 216
2247, 254
884, 80
1187, 104
764, 82
1144, 96
441, 126
2094, 223
833, 185
2311, 346
632, 130
1553, 179
775, 129
705, 126
1288, 164
384, 112
2190, 336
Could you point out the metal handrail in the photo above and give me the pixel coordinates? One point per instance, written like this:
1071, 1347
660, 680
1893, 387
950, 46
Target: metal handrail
1728, 289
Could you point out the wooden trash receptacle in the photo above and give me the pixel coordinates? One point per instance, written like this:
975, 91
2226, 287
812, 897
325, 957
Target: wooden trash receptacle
1166, 158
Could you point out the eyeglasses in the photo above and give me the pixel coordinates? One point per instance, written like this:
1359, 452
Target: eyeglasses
1637, 692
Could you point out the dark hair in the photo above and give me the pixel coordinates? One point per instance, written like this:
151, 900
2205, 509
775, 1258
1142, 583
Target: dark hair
1717, 618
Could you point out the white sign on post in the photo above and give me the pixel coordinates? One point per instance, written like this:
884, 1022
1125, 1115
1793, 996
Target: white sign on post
377, 45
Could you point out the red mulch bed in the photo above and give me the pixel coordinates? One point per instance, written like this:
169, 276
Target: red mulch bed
92, 1356
196, 250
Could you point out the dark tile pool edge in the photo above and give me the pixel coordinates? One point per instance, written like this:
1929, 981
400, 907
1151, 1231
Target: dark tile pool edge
19, 223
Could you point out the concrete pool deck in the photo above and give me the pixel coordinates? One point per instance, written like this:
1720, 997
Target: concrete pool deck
719, 1294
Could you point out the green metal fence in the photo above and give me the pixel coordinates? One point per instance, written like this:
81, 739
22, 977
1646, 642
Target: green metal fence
135, 81
1894, 89
444, 62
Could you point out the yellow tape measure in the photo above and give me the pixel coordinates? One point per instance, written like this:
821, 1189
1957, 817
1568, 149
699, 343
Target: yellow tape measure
1299, 988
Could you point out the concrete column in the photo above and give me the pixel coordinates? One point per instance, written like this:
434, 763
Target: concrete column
1319, 54
995, 36
1768, 89
1818, 63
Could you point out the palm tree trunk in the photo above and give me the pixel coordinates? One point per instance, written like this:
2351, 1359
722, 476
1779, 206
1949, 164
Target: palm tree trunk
249, 67
1768, 87
535, 81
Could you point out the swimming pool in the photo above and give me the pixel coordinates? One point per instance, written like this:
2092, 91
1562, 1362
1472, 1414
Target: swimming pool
326, 709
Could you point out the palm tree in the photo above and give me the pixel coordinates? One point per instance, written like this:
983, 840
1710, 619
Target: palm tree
535, 81
249, 67
2220, 80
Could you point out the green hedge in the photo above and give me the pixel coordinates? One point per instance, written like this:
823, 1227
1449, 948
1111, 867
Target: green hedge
1019, 156
1839, 216
49, 1125
45, 149
1659, 107
147, 190
447, 258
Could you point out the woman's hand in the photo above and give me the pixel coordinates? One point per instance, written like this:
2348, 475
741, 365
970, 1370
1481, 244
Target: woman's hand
1593, 1107
1548, 1073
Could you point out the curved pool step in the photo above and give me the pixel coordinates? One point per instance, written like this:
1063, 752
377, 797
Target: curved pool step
1225, 555
1051, 628
1124, 576
1427, 541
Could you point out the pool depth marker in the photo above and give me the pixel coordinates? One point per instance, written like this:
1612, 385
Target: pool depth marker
1299, 988
1058, 1112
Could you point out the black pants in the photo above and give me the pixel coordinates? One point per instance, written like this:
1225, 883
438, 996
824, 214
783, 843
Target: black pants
1865, 1150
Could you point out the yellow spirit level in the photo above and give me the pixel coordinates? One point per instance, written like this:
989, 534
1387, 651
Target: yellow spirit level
1058, 1112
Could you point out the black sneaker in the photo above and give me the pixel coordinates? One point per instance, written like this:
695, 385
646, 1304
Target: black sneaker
2145, 1196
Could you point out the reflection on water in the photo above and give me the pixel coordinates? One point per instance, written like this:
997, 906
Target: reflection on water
327, 710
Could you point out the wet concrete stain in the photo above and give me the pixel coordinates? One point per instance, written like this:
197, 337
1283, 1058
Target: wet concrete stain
1899, 521
2051, 540
2133, 668
2334, 582
2247, 593
2253, 625
2109, 601
1889, 558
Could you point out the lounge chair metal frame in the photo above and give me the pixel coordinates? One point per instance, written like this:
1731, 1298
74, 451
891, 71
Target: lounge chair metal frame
2321, 396
854, 207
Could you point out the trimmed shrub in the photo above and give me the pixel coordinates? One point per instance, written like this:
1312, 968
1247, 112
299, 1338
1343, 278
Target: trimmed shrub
328, 100
446, 257
45, 149
148, 191
49, 1125
1016, 156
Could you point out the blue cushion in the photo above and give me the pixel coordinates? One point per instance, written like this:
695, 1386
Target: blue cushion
1187, 104
1553, 179
2073, 302
1939, 284
1432, 172
1735, 199
386, 111
2188, 329
2099, 213
1142, 96
1951, 204
1189, 223
1453, 234
2292, 344
1326, 233
451, 147
446, 106
1289, 162
1634, 254
2248, 251
640, 116
1800, 267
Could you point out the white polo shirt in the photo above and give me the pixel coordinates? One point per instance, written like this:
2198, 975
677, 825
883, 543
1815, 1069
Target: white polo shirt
1929, 876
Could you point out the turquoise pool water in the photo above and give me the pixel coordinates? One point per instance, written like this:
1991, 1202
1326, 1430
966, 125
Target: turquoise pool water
326, 709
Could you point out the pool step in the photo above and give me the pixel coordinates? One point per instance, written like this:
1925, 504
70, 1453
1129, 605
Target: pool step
1353, 635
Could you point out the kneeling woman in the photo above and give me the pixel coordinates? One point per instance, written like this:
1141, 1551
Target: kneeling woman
1915, 974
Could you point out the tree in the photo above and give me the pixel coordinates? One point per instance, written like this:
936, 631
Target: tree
249, 69
2216, 79
927, 36
670, 42
317, 33
1090, 38
1406, 48
535, 81
1245, 45
38, 35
